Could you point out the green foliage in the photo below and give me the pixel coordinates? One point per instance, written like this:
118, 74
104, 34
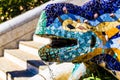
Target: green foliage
92, 78
12, 8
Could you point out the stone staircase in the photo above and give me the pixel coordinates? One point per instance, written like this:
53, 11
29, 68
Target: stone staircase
22, 63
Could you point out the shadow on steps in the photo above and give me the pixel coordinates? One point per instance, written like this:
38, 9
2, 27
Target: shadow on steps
29, 72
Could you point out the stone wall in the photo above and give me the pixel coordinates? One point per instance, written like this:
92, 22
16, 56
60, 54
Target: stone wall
11, 38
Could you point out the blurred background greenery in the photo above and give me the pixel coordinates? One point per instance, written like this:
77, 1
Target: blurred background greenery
12, 8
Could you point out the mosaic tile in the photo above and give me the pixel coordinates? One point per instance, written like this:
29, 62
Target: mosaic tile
91, 43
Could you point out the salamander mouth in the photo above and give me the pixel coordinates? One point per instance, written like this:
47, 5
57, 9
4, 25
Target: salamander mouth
63, 42
59, 42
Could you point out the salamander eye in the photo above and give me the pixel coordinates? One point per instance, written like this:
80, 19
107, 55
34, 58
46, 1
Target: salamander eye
70, 26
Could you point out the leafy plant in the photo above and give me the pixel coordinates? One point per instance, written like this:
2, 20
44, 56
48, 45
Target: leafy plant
92, 78
12, 8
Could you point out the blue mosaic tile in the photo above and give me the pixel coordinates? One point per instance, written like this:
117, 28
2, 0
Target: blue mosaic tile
87, 10
103, 18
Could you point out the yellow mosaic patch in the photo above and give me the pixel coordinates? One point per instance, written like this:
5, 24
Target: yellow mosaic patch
108, 27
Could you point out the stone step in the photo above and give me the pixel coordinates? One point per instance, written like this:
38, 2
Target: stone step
59, 71
30, 46
37, 38
12, 71
24, 59
1, 79
38, 77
